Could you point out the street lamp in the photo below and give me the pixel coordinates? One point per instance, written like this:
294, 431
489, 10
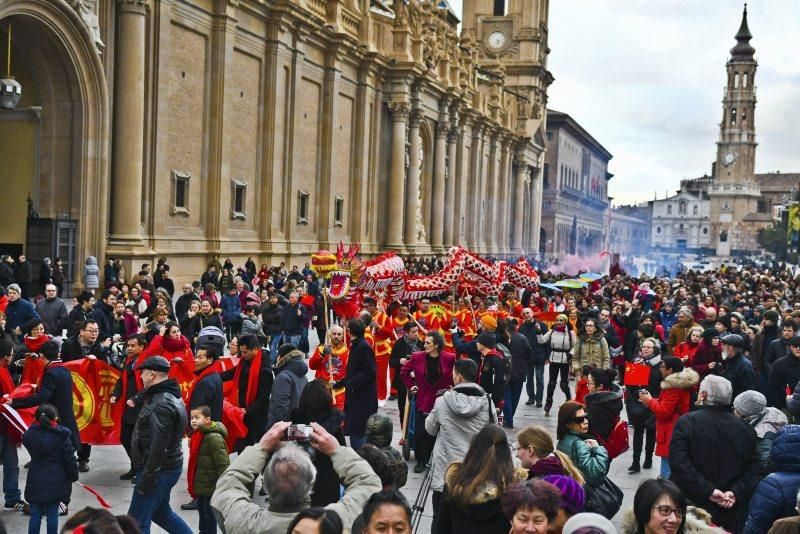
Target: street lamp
10, 89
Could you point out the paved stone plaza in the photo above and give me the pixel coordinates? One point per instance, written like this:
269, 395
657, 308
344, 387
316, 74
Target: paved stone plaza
108, 462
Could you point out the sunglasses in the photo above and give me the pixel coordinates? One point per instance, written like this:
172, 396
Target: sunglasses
579, 419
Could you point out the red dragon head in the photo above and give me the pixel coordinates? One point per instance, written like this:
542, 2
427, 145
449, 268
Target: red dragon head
342, 270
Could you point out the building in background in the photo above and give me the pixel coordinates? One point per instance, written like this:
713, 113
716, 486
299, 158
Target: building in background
575, 197
201, 129
629, 230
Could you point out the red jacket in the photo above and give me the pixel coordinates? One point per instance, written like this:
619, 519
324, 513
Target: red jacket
673, 402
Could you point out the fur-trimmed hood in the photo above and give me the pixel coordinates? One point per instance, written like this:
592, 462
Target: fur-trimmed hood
686, 379
698, 521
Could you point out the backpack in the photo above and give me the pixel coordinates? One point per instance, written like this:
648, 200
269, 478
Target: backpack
617, 441
505, 354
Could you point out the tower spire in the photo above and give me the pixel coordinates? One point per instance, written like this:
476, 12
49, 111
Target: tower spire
743, 49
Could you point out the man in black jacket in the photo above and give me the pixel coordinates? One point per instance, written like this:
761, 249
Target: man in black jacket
271, 315
86, 344
778, 348
735, 367
293, 318
713, 456
491, 369
361, 398
156, 448
103, 314
206, 389
401, 353
521, 358
183, 302
125, 390
785, 373
79, 313
531, 328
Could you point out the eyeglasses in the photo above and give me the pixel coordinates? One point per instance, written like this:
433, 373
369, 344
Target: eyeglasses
666, 511
578, 419
93, 330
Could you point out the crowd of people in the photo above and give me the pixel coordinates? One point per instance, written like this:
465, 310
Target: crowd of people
705, 364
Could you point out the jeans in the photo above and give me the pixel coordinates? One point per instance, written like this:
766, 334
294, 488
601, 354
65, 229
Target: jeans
294, 340
274, 343
8, 456
513, 392
208, 523
49, 511
357, 441
555, 370
154, 507
535, 377
665, 470
436, 503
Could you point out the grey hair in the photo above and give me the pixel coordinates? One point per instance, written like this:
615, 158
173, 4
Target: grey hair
685, 310
289, 476
718, 390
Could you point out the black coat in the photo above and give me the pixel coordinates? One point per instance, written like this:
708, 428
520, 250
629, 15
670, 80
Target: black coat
713, 449
182, 305
74, 319
361, 400
45, 276
467, 348
491, 377
55, 389
158, 434
291, 323
104, 315
602, 410
6, 274
208, 392
71, 350
520, 356
401, 349
539, 351
739, 372
784, 373
484, 517
638, 413
255, 413
53, 467
272, 319
776, 350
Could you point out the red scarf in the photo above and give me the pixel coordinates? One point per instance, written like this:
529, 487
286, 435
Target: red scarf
212, 368
34, 344
54, 363
175, 345
6, 383
194, 451
252, 378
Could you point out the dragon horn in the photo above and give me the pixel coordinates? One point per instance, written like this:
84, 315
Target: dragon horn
339, 252
354, 248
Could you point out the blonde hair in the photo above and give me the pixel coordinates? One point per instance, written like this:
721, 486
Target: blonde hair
698, 329
540, 440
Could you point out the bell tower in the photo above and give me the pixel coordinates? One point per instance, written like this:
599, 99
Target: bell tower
736, 148
511, 30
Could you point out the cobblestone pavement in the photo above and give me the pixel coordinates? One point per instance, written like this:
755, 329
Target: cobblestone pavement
108, 462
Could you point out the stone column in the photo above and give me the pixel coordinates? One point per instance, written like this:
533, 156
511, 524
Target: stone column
450, 188
128, 158
536, 210
438, 205
519, 202
412, 181
394, 225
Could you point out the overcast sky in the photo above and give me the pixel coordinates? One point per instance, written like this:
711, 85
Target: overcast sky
646, 79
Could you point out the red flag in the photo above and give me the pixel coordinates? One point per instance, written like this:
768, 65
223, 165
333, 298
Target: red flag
233, 420
32, 370
636, 374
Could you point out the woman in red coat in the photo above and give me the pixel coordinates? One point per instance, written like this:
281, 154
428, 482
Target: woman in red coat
686, 350
674, 401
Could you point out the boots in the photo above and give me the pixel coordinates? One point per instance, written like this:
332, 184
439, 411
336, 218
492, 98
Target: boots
129, 475
634, 468
648, 460
547, 406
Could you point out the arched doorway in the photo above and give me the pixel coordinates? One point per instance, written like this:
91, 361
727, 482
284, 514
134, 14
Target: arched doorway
60, 130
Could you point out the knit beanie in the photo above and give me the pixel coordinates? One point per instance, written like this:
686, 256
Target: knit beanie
572, 496
486, 339
489, 323
749, 403
588, 520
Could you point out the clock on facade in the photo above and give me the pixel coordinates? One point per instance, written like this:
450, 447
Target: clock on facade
496, 40
728, 158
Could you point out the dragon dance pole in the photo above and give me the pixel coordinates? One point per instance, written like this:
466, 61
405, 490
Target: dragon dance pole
327, 343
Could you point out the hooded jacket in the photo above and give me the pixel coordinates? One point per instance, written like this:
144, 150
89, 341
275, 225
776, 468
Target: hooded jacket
91, 273
766, 424
457, 416
549, 465
158, 433
602, 410
592, 350
776, 495
290, 379
674, 401
54, 466
212, 460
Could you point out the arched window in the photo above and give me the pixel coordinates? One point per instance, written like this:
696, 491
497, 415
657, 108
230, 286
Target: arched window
733, 116
682, 207
658, 229
744, 80
736, 81
669, 209
694, 210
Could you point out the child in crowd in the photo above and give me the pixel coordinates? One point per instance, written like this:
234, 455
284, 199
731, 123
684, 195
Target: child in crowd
208, 459
582, 387
252, 323
53, 469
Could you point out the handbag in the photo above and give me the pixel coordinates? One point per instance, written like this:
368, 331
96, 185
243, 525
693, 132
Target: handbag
604, 499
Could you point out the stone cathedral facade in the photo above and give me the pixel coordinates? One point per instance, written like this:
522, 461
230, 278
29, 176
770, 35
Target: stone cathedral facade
272, 128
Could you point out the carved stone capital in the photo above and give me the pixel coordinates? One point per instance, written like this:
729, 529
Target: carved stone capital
414, 117
400, 111
442, 128
132, 6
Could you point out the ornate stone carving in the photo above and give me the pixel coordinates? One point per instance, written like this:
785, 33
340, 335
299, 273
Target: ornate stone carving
85, 10
399, 110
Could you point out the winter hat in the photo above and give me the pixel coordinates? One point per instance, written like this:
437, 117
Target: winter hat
18, 290
489, 323
769, 315
562, 317
588, 520
749, 403
285, 349
486, 339
572, 496
726, 321
709, 334
379, 430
